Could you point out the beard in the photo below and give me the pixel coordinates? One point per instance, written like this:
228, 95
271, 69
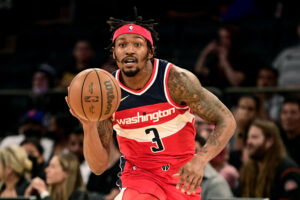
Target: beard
131, 73
259, 153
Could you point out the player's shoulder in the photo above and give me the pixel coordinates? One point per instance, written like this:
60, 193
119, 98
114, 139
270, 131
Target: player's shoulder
181, 74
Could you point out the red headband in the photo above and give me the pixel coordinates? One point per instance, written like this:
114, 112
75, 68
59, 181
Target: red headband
133, 28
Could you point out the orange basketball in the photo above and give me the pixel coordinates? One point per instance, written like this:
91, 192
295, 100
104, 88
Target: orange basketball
94, 94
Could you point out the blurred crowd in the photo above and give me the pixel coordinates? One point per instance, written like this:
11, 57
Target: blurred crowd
226, 43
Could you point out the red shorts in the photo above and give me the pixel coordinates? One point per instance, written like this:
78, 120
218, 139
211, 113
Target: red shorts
158, 183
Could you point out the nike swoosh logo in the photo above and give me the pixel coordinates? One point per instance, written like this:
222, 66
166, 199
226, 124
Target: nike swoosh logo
125, 98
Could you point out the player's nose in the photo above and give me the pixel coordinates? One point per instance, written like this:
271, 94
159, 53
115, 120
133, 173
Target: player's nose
130, 49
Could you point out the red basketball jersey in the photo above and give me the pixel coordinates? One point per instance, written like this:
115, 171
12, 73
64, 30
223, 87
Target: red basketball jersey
153, 131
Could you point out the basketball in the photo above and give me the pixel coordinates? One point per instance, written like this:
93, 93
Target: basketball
94, 94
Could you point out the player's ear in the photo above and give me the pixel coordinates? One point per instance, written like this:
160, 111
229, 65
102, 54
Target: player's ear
151, 53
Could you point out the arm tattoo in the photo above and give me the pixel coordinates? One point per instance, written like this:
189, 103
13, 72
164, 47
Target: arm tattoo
105, 131
185, 89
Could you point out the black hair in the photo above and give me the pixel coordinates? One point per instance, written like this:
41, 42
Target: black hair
49, 72
87, 40
271, 69
292, 99
147, 24
251, 96
35, 142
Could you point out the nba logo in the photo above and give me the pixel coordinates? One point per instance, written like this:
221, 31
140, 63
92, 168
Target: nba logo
130, 28
165, 167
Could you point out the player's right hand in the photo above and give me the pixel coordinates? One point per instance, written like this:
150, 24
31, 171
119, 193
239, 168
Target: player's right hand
83, 121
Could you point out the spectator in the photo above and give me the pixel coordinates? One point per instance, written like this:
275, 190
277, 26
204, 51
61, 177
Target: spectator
287, 63
290, 124
31, 125
220, 63
43, 81
63, 178
268, 172
105, 183
75, 143
15, 168
60, 125
245, 112
269, 103
226, 170
35, 152
83, 53
75, 146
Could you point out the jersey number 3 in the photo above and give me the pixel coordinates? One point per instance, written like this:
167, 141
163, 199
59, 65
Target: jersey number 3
159, 145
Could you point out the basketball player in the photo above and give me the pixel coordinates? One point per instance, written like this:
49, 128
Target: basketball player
154, 122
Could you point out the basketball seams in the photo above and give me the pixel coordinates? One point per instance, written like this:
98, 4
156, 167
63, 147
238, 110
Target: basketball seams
100, 115
69, 98
116, 87
82, 95
83, 84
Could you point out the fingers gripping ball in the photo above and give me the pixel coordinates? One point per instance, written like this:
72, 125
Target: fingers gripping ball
94, 94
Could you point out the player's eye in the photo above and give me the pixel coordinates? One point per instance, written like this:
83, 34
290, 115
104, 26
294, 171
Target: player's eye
122, 45
137, 44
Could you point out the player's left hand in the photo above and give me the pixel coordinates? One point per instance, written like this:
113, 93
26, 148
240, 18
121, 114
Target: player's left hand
191, 175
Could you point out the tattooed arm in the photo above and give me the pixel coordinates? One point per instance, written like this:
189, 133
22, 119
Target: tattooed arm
185, 88
96, 144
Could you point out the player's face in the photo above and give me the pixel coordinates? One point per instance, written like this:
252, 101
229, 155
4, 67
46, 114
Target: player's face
256, 143
131, 53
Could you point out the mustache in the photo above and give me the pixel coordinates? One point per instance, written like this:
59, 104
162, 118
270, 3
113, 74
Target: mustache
129, 57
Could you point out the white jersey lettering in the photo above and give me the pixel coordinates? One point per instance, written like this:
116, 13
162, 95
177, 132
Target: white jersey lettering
154, 117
